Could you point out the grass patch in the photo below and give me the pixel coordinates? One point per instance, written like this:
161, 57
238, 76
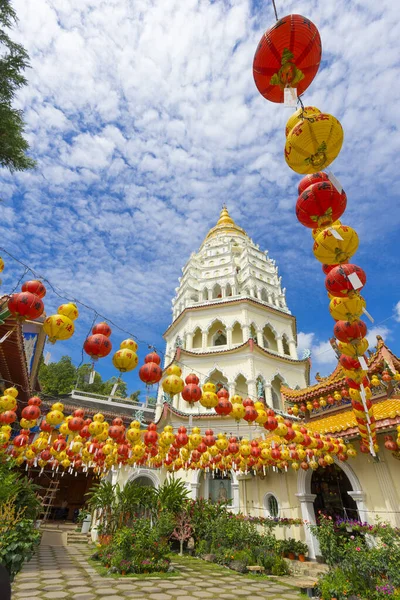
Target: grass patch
105, 572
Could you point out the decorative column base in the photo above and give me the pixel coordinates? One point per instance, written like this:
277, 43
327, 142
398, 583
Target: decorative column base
308, 515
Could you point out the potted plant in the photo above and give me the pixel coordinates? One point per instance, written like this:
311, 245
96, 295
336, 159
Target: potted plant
291, 548
301, 549
124, 566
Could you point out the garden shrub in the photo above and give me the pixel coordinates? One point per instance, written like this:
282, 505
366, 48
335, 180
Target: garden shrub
19, 508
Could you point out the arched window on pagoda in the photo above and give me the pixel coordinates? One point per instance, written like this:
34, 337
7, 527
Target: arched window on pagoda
217, 292
197, 338
269, 339
276, 392
241, 386
237, 334
285, 344
228, 290
217, 334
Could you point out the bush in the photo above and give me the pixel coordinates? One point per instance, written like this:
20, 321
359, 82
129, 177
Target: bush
279, 566
142, 546
335, 584
18, 540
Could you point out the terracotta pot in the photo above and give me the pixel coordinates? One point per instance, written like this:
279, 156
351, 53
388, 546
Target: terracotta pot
123, 573
292, 556
107, 566
302, 558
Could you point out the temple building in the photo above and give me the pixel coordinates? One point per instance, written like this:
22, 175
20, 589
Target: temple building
231, 325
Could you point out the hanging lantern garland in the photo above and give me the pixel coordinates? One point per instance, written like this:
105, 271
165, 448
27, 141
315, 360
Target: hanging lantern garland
313, 141
82, 444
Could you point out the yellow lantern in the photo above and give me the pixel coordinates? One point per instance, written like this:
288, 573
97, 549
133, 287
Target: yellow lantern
95, 428
322, 402
295, 410
299, 115
125, 360
58, 327
133, 435
174, 370
136, 425
354, 349
314, 143
173, 384
347, 309
295, 466
238, 411
315, 232
221, 442
337, 396
309, 406
26, 424
328, 459
375, 381
209, 399
69, 310
58, 406
64, 429
66, 463
209, 387
236, 399
1, 265
11, 391
313, 464
262, 417
54, 417
8, 402
129, 345
330, 250
281, 430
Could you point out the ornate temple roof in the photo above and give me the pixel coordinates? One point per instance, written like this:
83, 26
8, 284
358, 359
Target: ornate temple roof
226, 225
386, 412
337, 379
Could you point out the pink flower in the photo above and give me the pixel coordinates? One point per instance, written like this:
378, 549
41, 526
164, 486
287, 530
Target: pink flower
358, 549
352, 537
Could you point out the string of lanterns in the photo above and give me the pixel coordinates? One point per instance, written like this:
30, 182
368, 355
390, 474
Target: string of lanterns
75, 444
313, 141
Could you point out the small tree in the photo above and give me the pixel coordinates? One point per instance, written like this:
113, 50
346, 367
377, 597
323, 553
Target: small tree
13, 61
183, 530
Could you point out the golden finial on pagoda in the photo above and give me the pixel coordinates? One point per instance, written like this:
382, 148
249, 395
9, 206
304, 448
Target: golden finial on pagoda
225, 225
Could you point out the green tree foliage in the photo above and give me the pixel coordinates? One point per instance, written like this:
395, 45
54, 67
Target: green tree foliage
13, 61
60, 378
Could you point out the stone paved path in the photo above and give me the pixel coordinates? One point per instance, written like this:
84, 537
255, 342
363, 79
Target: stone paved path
62, 572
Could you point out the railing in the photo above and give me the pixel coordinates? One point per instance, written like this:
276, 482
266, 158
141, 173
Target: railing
114, 401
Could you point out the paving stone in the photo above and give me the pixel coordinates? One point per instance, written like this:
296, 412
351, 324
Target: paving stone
105, 591
84, 596
22, 595
160, 596
55, 595
202, 595
28, 586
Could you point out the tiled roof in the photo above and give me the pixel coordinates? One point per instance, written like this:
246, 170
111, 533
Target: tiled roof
386, 412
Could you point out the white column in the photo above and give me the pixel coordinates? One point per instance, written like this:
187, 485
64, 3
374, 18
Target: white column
229, 337
359, 498
194, 490
231, 386
252, 389
246, 333
280, 344
260, 340
189, 341
269, 298
308, 514
223, 291
204, 340
293, 349
235, 493
268, 393
252, 292
234, 290
388, 492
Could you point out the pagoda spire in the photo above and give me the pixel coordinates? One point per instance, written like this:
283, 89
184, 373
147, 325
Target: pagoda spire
225, 224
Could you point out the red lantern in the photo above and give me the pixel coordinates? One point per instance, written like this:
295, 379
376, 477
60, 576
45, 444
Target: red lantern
346, 332
59, 444
209, 438
311, 179
34, 287
115, 432
102, 328
97, 346
45, 426
248, 402
20, 440
344, 392
330, 400
337, 281
288, 55
118, 422
30, 412
151, 372
224, 407
150, 437
182, 439
34, 401
328, 268
223, 393
251, 414
152, 358
76, 424
45, 455
349, 363
8, 417
271, 424
192, 391
25, 305
320, 204
390, 444
79, 412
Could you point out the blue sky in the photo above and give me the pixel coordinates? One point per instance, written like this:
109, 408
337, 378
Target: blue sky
144, 118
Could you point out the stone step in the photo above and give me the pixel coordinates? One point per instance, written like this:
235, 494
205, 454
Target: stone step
77, 538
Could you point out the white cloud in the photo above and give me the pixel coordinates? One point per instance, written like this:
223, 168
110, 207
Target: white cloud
397, 311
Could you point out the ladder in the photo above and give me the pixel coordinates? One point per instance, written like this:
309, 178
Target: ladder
48, 499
